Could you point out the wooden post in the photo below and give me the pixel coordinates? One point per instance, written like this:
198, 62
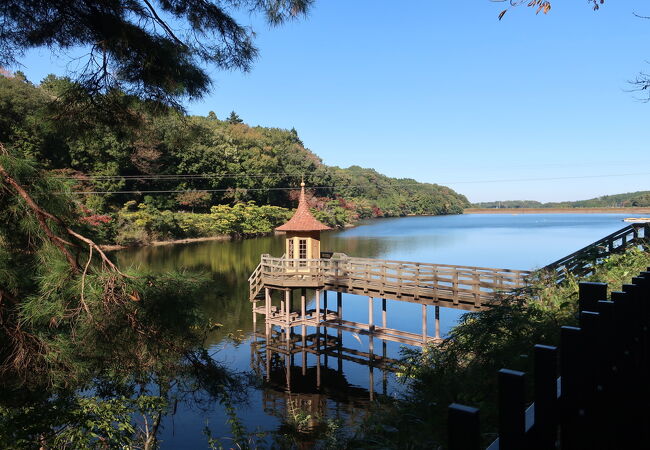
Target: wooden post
268, 361
318, 308
303, 330
371, 325
589, 294
606, 361
643, 304
254, 317
437, 309
325, 302
372, 382
383, 313
571, 373
287, 363
304, 352
318, 366
512, 410
630, 363
339, 305
590, 324
267, 306
339, 333
463, 427
424, 323
287, 305
545, 396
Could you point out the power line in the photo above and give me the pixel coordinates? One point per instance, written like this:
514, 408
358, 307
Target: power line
178, 176
290, 188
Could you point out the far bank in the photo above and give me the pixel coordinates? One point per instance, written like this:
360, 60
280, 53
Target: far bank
636, 210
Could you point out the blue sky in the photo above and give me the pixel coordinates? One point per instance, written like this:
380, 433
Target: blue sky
443, 92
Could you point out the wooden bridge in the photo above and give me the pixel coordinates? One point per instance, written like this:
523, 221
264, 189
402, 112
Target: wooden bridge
461, 287
582, 262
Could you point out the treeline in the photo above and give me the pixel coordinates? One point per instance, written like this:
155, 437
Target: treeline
630, 199
115, 149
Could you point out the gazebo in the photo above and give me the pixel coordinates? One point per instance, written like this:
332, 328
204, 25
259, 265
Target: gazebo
303, 233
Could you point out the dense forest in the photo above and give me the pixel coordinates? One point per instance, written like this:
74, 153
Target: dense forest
629, 199
141, 172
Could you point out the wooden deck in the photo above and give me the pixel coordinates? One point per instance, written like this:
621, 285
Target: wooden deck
460, 287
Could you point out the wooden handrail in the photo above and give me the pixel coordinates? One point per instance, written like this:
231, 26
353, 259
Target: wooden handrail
473, 285
581, 261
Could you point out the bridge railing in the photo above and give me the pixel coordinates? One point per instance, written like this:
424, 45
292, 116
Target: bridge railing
255, 281
458, 283
589, 393
582, 262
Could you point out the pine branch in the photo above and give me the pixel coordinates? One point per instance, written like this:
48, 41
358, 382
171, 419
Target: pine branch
41, 216
59, 242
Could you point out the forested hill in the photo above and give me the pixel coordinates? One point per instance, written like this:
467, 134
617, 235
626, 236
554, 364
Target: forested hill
115, 151
630, 199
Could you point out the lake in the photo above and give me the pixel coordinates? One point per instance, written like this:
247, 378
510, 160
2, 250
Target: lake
525, 241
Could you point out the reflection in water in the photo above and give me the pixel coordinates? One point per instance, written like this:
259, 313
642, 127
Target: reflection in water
121, 382
304, 375
279, 360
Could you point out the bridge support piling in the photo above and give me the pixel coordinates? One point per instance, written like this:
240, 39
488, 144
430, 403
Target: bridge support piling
371, 326
383, 313
287, 305
424, 324
437, 322
325, 302
267, 308
339, 306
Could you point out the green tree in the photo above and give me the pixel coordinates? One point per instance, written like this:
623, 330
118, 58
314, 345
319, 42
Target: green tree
155, 50
233, 118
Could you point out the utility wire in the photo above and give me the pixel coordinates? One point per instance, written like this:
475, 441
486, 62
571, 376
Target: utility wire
172, 177
291, 188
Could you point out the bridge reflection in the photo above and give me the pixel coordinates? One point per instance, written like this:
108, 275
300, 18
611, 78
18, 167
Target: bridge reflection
306, 369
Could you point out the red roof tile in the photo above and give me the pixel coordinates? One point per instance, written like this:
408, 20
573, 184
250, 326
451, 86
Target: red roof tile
302, 220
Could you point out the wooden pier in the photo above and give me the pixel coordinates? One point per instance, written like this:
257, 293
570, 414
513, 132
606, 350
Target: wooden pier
461, 287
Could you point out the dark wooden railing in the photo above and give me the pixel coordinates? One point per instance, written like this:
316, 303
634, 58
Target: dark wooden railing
590, 393
581, 263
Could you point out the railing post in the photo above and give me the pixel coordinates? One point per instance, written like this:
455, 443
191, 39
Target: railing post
512, 410
476, 289
545, 393
463, 427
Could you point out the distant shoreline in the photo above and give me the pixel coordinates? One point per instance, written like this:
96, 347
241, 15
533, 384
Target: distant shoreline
557, 211
114, 247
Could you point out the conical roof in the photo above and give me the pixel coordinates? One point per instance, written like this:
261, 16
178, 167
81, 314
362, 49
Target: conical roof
302, 220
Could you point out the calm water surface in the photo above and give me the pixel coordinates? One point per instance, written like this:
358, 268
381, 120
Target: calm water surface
524, 241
